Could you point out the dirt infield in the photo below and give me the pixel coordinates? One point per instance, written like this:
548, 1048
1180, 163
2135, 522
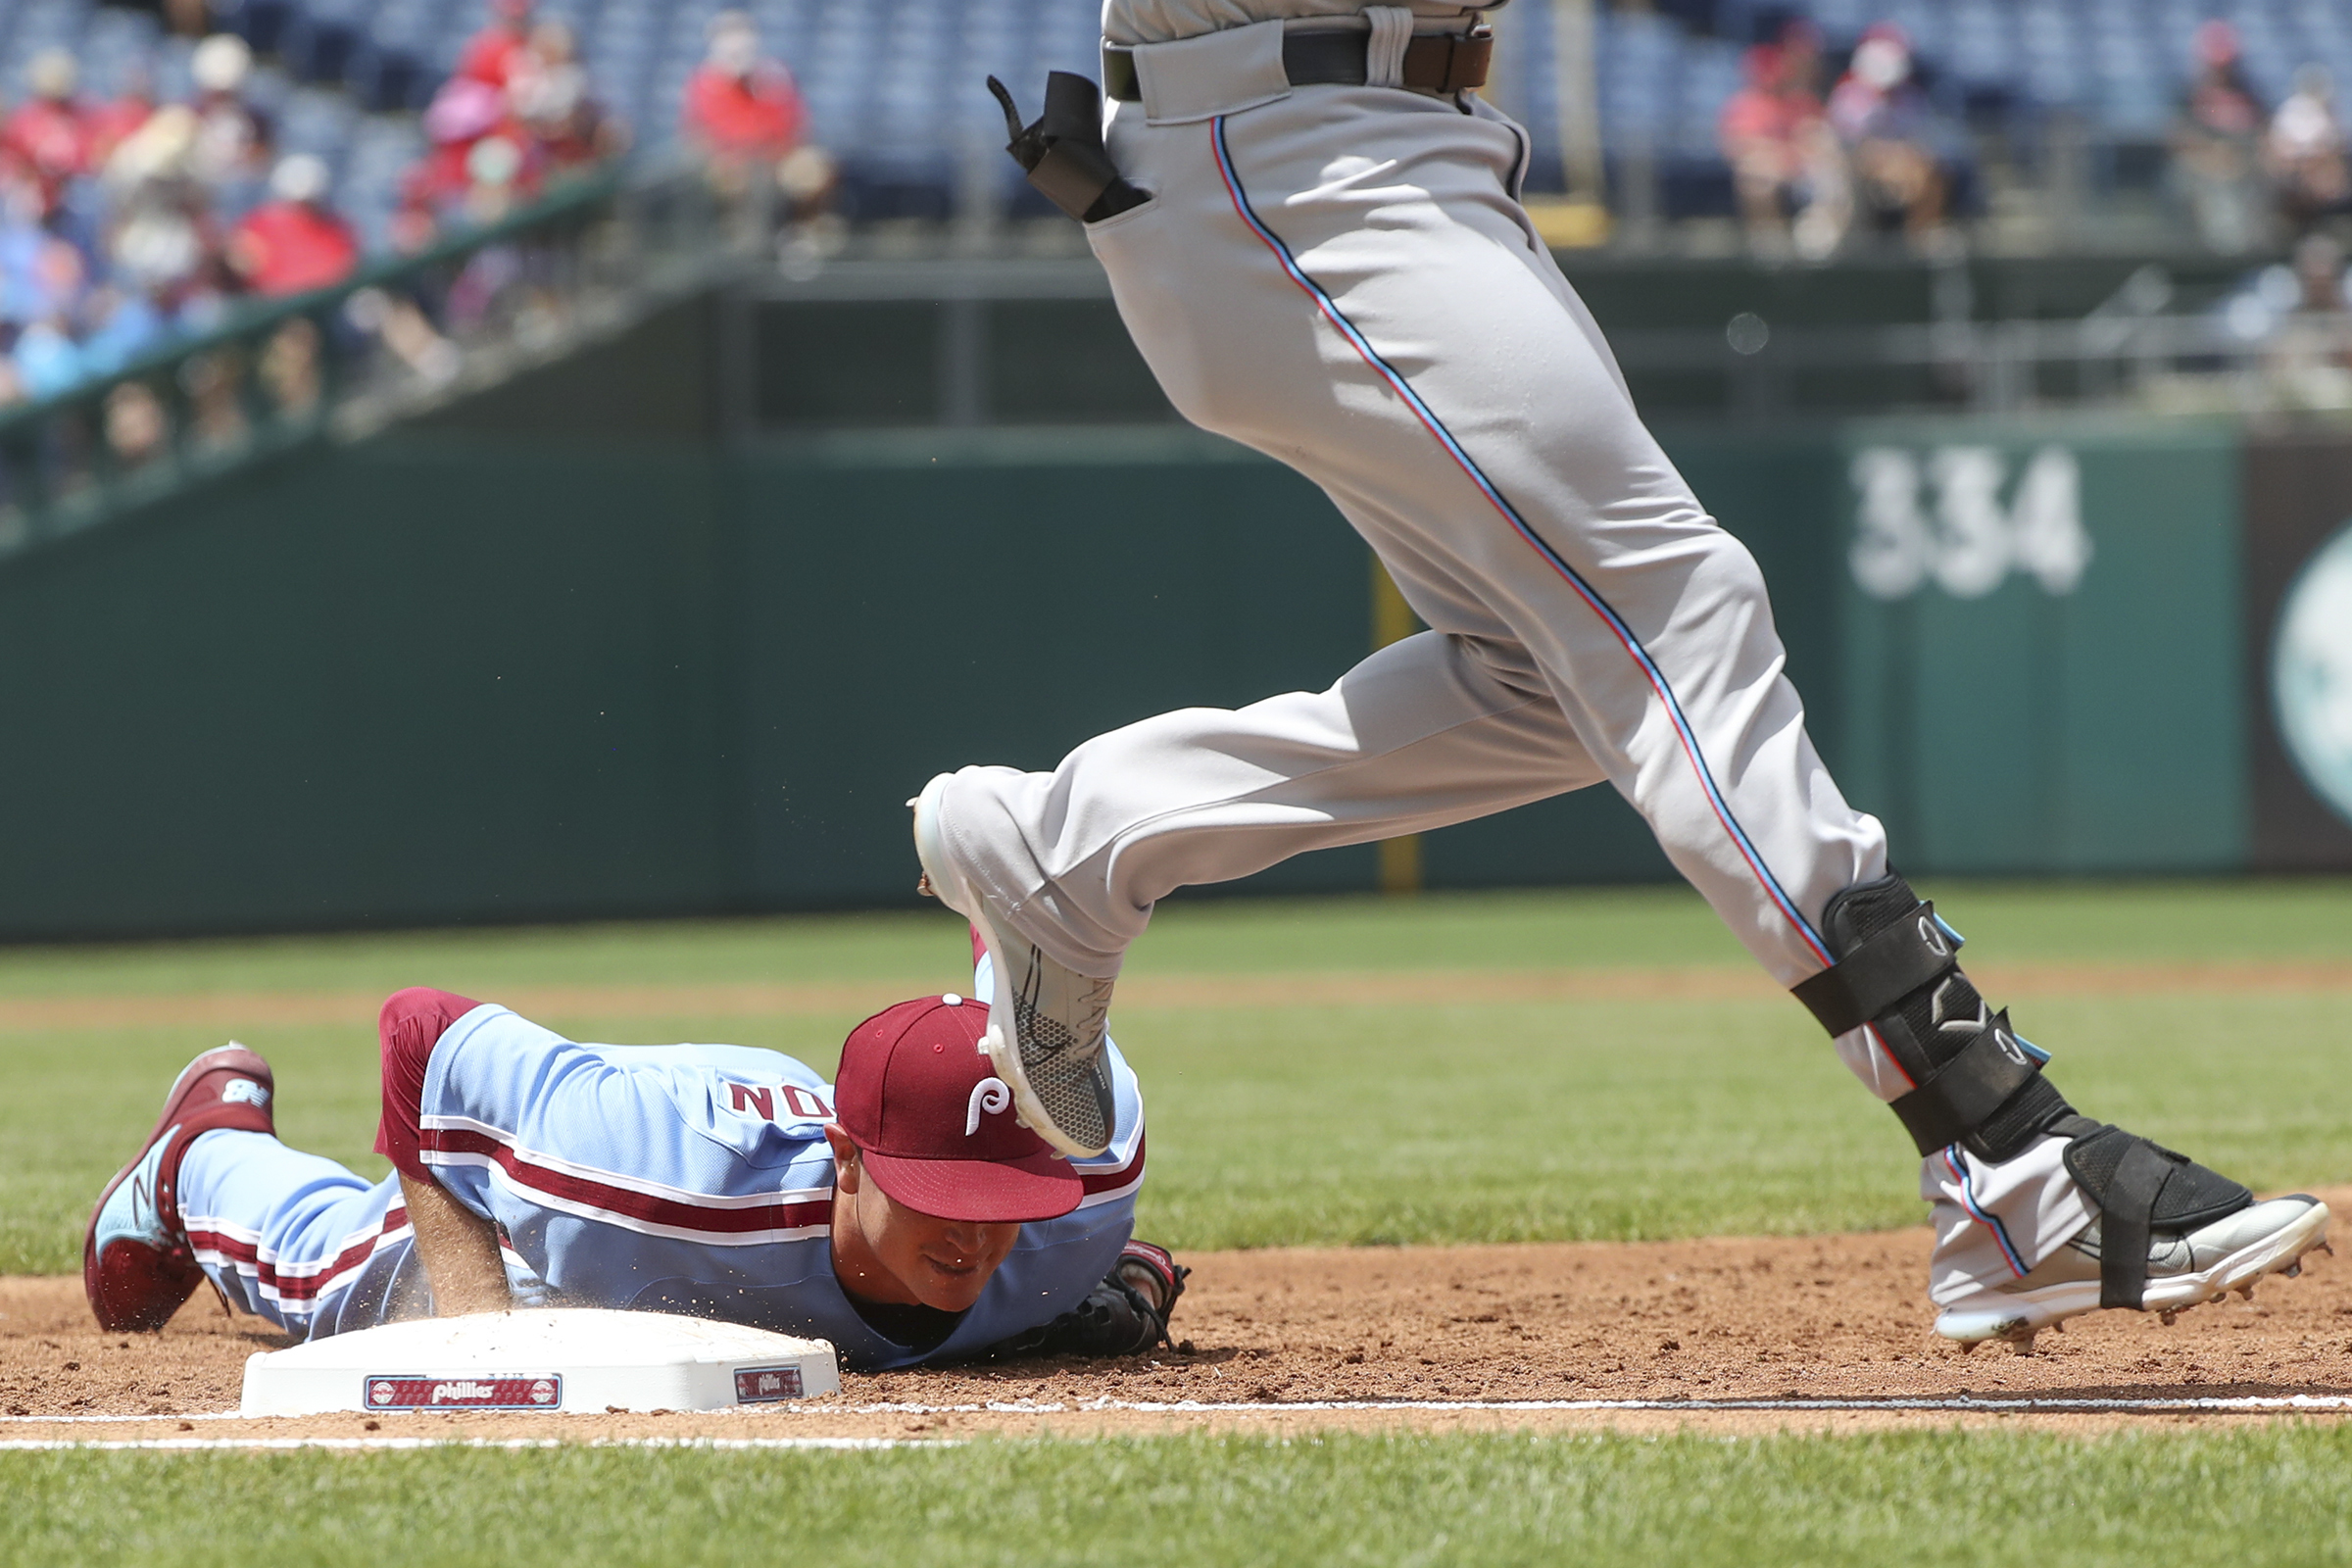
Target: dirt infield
1820, 1333
236, 1010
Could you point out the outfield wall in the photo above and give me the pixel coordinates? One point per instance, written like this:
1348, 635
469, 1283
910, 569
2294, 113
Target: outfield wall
437, 677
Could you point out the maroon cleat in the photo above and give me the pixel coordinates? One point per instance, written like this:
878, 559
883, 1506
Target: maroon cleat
135, 1261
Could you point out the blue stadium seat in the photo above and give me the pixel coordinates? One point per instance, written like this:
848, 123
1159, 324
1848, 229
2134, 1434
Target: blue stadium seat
894, 86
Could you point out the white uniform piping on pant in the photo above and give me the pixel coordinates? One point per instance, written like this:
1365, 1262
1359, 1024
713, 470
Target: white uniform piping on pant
1343, 278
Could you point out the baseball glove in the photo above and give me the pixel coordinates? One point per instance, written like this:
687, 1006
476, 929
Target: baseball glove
1124, 1315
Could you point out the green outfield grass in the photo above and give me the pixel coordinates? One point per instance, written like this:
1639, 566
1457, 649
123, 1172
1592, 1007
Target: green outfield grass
2269, 1496
1460, 1119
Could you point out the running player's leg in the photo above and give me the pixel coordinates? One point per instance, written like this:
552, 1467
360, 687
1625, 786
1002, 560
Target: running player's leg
295, 1238
1342, 280
1422, 734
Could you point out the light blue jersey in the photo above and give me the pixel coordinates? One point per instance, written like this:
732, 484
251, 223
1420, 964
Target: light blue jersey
668, 1178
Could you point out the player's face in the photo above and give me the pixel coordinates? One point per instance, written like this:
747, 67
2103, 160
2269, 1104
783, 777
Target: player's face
943, 1263
885, 1251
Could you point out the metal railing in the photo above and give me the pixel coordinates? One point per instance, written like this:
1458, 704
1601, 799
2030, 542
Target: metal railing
400, 336
2138, 349
2155, 364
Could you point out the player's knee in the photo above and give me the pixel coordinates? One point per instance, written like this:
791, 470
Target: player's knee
1727, 588
1732, 569
413, 1019
410, 1024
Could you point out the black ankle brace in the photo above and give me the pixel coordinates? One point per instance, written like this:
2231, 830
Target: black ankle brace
1897, 969
1978, 1085
2141, 1189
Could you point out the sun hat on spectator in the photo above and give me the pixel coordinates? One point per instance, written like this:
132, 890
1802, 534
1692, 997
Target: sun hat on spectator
221, 63
52, 73
734, 43
935, 1125
299, 177
1883, 62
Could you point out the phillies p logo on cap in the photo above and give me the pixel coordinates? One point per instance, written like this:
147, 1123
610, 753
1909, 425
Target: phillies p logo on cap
990, 1096
935, 1125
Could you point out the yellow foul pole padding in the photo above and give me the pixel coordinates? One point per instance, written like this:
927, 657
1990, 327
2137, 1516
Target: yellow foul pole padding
1394, 620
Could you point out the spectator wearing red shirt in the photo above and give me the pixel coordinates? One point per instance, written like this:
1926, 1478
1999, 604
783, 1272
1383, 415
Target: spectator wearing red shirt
463, 112
292, 243
53, 134
466, 114
1784, 159
738, 106
493, 54
748, 119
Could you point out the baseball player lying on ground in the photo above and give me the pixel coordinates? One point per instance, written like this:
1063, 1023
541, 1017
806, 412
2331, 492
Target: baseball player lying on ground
1311, 224
902, 1213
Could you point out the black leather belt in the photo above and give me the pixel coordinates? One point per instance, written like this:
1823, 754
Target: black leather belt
1438, 62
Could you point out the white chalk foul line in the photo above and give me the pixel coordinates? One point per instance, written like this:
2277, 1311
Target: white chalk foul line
2023, 1404
54, 1444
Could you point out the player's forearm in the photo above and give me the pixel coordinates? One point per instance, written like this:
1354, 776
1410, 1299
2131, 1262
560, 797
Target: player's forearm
459, 1249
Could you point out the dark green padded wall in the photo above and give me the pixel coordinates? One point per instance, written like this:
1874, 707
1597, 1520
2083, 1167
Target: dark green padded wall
2095, 728
384, 685
914, 603
445, 678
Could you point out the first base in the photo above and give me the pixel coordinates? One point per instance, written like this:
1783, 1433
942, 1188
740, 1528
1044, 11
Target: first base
584, 1361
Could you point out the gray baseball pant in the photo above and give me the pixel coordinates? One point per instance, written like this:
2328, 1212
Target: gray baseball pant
1343, 279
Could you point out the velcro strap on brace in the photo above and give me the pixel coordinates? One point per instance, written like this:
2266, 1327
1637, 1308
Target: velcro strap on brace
2139, 1187
1881, 970
1897, 972
1062, 153
2123, 1228
1957, 1097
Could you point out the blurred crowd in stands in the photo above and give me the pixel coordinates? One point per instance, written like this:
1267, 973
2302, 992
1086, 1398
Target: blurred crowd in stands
124, 221
133, 218
127, 222
1814, 163
2248, 170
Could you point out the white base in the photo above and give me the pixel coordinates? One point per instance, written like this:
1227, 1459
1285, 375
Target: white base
582, 1360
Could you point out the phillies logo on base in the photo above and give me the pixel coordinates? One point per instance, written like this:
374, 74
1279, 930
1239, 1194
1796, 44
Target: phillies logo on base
411, 1391
759, 1384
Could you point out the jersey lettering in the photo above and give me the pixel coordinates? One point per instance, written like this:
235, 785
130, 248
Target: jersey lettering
799, 1104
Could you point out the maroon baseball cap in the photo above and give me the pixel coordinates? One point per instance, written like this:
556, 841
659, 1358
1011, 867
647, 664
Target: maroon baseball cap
934, 1123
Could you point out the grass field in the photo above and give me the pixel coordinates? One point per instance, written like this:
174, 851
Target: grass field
2274, 1497
1457, 1114
1456, 1118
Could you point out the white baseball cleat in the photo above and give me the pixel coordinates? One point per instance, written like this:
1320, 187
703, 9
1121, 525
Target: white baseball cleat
2183, 1270
1045, 1023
